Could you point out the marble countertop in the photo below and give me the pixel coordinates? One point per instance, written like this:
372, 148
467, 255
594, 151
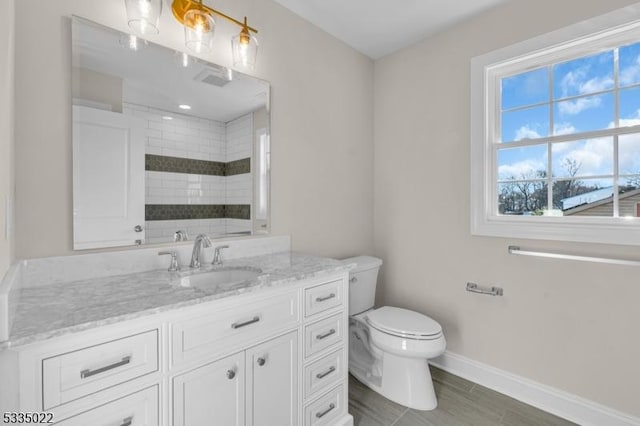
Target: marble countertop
58, 309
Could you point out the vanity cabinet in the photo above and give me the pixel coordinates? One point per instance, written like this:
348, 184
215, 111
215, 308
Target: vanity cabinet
216, 393
274, 356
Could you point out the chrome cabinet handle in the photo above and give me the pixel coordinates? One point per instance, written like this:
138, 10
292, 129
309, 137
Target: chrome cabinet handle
127, 421
88, 373
323, 413
326, 373
231, 374
246, 323
327, 334
261, 361
323, 299
138, 228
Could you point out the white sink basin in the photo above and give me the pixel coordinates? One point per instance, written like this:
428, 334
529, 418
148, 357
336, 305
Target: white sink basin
221, 279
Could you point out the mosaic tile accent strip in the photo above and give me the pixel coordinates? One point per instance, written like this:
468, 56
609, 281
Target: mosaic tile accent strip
237, 167
160, 163
237, 211
196, 211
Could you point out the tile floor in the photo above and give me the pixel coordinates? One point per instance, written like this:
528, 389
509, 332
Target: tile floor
460, 403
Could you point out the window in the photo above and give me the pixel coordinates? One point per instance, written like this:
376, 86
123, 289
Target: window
556, 135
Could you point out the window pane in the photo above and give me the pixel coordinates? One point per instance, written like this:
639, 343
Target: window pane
525, 89
630, 107
584, 197
592, 157
629, 196
583, 114
629, 154
530, 123
583, 76
629, 59
528, 162
522, 198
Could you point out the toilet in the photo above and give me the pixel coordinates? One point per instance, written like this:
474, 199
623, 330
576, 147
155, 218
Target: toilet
389, 347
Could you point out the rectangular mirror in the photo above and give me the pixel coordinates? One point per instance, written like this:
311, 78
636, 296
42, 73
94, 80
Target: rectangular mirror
165, 146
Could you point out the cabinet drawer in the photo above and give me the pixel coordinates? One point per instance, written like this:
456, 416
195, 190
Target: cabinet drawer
201, 337
325, 409
324, 372
79, 373
323, 297
322, 334
138, 409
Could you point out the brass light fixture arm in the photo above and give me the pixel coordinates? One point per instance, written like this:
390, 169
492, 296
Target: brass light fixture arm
180, 7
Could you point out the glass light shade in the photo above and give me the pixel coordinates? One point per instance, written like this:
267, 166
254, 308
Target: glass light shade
199, 27
244, 47
144, 15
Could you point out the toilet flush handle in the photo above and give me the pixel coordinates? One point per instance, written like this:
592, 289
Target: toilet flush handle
353, 279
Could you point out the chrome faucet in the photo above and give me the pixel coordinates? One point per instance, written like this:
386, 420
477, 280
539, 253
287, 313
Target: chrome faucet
217, 255
174, 266
196, 257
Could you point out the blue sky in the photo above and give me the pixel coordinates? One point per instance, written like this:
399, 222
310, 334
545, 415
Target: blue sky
578, 105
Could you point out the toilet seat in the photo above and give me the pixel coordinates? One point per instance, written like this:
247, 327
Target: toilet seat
404, 323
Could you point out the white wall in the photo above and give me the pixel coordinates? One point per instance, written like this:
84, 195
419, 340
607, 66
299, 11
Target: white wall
7, 145
321, 128
573, 326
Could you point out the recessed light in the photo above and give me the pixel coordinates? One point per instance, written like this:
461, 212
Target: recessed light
184, 106
167, 117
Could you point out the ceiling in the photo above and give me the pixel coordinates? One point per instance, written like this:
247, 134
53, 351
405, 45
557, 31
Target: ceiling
380, 27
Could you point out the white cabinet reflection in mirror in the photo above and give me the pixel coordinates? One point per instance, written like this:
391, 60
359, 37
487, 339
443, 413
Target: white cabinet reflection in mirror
108, 178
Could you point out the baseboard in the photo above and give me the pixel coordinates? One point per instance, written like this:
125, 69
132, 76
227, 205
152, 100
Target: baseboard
560, 403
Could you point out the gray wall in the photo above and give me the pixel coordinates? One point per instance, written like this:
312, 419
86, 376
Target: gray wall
322, 123
569, 325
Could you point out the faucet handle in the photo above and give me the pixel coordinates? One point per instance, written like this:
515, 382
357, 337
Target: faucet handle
180, 235
217, 255
173, 266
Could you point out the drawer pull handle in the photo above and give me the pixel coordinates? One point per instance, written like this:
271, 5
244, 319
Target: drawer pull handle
261, 361
88, 373
246, 323
231, 374
327, 334
325, 412
326, 373
127, 422
324, 299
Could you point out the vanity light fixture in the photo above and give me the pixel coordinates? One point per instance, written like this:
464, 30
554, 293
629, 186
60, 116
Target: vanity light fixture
199, 27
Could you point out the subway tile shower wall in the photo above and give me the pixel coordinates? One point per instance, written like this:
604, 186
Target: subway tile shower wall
195, 138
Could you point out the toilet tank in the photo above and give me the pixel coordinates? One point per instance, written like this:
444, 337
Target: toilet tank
362, 283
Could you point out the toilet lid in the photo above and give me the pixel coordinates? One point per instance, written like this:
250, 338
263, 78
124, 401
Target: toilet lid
403, 322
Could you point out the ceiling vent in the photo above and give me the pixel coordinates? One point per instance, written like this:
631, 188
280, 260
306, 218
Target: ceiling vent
213, 77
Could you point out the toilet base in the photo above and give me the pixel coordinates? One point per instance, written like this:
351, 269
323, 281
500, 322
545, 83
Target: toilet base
406, 381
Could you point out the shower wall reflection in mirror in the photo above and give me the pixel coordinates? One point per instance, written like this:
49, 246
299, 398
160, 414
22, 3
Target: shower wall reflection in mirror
164, 146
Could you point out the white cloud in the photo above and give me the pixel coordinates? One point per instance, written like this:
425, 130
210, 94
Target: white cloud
564, 129
525, 132
595, 156
522, 169
630, 74
576, 106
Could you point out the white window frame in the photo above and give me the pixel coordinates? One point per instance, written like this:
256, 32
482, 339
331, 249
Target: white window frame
583, 39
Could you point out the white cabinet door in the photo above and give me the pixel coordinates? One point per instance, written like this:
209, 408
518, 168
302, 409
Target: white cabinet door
108, 178
272, 382
211, 395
